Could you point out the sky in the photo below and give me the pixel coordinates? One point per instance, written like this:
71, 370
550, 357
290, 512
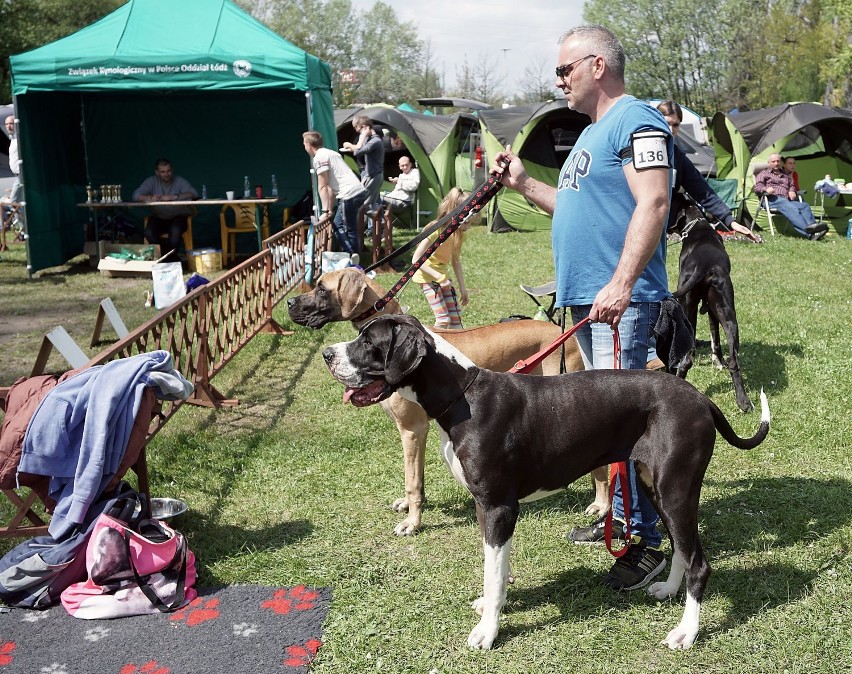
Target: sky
512, 34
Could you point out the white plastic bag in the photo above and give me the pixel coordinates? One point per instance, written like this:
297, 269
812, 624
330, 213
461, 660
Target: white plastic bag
334, 261
168, 283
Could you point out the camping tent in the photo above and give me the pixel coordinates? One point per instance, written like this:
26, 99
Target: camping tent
198, 81
542, 135
437, 143
819, 137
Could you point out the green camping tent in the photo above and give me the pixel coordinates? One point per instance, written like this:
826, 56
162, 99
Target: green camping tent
198, 81
542, 135
818, 137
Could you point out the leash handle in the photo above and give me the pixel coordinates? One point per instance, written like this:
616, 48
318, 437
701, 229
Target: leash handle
617, 470
471, 206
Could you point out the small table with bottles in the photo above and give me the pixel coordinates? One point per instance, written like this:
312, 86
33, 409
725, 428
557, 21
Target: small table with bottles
111, 205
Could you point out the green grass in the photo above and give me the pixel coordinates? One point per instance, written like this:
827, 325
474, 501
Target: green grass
293, 487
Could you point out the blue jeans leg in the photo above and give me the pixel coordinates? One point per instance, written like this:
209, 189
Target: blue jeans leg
797, 212
635, 332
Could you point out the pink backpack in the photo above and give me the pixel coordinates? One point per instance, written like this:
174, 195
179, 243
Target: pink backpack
133, 572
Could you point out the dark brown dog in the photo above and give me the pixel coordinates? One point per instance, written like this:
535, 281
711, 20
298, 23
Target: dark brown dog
705, 279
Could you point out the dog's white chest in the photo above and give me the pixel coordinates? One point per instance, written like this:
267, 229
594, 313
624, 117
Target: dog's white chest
449, 454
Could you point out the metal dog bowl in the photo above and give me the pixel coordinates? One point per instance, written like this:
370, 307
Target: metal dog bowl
166, 508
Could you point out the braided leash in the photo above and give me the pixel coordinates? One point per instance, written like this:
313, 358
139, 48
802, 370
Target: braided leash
471, 206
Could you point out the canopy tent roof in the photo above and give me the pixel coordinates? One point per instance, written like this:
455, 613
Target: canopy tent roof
156, 44
159, 78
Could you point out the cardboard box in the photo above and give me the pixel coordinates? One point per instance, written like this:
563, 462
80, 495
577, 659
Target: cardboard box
109, 266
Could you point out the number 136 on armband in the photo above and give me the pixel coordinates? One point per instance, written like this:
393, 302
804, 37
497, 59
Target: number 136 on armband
649, 150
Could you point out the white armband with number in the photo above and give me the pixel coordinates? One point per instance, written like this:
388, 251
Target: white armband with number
649, 149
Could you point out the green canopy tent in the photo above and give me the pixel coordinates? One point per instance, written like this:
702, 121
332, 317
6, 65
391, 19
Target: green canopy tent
542, 135
198, 81
819, 137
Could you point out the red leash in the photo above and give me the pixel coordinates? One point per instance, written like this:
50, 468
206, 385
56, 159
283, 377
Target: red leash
615, 469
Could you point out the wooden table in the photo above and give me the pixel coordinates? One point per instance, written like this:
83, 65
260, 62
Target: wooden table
261, 208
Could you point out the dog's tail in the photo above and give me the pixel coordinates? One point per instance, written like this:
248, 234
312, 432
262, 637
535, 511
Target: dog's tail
689, 284
730, 435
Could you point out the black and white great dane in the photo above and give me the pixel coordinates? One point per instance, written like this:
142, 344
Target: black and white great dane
510, 438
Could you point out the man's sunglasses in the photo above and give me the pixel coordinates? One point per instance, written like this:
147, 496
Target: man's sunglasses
564, 71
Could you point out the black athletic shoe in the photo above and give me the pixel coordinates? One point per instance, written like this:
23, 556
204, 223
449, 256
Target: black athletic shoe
638, 567
816, 236
816, 227
595, 532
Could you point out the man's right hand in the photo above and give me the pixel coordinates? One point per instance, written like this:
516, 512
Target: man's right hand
514, 175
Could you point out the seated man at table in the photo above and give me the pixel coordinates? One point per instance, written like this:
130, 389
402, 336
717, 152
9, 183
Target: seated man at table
164, 186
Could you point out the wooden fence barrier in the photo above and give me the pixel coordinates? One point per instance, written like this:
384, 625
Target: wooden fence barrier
205, 330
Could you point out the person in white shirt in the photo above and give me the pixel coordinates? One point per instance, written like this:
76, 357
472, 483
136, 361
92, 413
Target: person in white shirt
336, 182
405, 185
17, 193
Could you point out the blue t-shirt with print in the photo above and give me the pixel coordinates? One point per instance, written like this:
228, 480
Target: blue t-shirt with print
594, 205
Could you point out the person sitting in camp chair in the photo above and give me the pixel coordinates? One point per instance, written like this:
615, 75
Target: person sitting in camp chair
405, 186
777, 186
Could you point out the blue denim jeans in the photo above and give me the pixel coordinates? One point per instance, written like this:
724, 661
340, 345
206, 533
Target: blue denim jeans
346, 222
636, 333
797, 212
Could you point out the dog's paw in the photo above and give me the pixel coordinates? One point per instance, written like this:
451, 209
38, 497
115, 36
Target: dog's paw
483, 635
400, 505
718, 363
597, 508
663, 590
679, 639
406, 528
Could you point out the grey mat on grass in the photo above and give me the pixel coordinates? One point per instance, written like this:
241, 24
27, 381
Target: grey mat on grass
238, 629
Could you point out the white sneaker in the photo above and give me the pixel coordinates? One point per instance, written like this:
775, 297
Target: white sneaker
354, 259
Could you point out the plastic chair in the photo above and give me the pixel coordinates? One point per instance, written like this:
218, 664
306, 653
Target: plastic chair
187, 235
244, 223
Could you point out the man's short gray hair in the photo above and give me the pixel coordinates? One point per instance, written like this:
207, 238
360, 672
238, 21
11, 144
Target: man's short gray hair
603, 42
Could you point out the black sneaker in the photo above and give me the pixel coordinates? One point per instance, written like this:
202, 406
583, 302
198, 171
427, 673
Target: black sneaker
638, 567
816, 236
595, 532
816, 227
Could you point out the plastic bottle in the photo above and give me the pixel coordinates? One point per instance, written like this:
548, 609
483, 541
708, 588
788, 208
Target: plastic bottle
849, 229
274, 186
541, 315
204, 191
246, 188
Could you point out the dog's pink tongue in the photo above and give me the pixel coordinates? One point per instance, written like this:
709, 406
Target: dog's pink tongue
347, 394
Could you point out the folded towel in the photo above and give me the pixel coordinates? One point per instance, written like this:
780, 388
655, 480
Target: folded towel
675, 338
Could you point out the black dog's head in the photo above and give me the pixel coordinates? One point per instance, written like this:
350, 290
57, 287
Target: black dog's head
373, 365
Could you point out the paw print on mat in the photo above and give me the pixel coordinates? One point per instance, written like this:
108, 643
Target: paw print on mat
297, 598
150, 667
301, 656
6, 651
197, 611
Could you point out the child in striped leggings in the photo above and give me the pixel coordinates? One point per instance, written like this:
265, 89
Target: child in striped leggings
432, 276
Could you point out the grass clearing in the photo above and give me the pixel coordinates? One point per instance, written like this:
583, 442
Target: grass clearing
293, 487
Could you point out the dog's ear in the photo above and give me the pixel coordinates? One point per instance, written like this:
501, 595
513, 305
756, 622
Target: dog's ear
351, 292
406, 349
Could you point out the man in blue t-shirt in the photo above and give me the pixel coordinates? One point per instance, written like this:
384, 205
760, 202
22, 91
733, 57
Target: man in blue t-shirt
609, 209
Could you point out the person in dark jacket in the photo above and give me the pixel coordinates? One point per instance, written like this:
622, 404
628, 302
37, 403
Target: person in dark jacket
688, 178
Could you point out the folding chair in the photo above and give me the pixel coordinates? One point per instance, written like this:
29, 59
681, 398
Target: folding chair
548, 290
763, 201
